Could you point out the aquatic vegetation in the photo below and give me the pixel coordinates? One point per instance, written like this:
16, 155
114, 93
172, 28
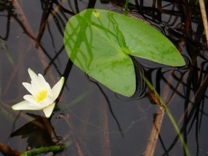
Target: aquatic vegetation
87, 108
42, 95
101, 43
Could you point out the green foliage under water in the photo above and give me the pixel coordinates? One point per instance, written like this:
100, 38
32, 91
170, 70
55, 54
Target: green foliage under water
101, 43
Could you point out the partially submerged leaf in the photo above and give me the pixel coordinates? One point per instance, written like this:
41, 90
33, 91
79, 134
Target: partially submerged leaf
100, 43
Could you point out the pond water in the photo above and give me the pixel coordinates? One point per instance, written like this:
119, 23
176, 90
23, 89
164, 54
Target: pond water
88, 116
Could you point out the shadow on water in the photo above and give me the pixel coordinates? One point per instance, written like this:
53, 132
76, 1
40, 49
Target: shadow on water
96, 120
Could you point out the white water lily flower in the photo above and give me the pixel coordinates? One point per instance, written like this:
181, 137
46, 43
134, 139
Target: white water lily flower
42, 96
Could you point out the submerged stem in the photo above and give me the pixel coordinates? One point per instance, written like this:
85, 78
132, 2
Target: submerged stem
37, 151
126, 7
169, 115
204, 18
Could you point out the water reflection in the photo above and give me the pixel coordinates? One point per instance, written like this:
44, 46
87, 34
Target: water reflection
87, 121
38, 132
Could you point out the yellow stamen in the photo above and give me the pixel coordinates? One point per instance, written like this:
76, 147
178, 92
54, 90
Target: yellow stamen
41, 95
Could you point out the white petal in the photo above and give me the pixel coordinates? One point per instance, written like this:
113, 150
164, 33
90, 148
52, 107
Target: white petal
57, 88
43, 82
48, 110
32, 74
45, 85
31, 99
28, 86
24, 105
36, 87
47, 101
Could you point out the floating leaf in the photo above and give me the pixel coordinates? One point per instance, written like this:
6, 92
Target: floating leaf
101, 43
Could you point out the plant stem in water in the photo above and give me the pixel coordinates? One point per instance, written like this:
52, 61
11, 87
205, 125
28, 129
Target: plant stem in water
126, 7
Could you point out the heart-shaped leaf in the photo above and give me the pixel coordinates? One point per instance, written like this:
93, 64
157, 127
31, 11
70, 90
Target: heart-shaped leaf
100, 43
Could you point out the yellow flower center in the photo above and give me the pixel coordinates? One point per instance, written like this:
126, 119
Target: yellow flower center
41, 95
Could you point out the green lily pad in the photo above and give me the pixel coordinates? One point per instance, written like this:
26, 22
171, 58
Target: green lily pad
101, 43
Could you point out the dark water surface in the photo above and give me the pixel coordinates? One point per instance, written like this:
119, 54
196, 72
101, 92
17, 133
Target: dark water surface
95, 119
